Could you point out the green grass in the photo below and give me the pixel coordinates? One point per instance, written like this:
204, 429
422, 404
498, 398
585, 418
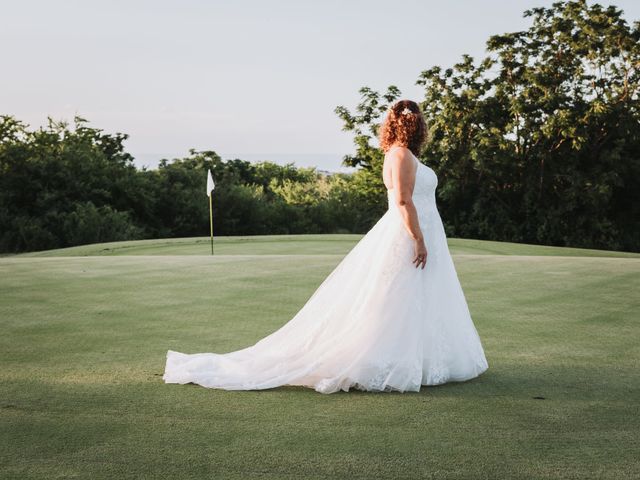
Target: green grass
338, 244
85, 332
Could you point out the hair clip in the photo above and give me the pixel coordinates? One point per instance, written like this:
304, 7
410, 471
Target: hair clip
406, 111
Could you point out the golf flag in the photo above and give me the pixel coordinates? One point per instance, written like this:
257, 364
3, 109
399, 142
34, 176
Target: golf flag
210, 186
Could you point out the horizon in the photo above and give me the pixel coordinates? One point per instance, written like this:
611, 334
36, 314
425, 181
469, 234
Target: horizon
324, 162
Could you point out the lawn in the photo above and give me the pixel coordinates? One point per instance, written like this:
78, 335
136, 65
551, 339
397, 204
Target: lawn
85, 331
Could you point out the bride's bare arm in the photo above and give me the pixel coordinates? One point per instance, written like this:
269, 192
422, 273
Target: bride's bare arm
403, 178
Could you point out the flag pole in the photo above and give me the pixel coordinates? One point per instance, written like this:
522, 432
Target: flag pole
210, 187
211, 220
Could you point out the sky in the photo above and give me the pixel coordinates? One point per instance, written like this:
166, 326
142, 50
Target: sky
251, 79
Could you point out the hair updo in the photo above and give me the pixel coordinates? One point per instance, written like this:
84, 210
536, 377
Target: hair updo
404, 125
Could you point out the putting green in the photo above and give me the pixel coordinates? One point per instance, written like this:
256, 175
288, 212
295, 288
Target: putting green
338, 244
85, 333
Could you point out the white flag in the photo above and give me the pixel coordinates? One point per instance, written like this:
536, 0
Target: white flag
210, 184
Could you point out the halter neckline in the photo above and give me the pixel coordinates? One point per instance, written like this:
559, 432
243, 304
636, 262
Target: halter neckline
418, 162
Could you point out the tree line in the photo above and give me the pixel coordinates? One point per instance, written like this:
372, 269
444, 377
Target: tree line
62, 186
539, 142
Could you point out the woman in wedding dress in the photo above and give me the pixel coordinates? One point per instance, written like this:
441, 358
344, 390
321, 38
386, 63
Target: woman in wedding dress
391, 316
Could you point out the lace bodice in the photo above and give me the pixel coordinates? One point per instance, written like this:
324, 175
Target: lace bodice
424, 190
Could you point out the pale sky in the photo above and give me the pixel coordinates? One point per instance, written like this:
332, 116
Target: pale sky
239, 77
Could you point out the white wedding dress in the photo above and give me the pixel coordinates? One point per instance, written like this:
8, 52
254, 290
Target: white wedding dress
375, 323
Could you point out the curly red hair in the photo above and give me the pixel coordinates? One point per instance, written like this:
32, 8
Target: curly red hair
406, 129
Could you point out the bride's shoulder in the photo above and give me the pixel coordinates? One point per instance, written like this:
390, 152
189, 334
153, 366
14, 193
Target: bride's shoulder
399, 153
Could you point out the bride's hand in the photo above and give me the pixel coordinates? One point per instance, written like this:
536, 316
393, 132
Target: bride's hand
420, 253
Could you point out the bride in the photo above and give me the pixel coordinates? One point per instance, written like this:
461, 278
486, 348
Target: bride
391, 316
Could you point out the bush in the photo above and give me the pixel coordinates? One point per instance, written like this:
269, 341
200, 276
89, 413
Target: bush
87, 223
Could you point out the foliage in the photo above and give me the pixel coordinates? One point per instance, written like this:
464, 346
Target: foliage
540, 141
62, 186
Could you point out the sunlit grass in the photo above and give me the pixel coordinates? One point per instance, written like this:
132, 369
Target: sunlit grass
85, 337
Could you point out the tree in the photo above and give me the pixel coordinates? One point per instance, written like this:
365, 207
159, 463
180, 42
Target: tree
539, 142
55, 181
367, 185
